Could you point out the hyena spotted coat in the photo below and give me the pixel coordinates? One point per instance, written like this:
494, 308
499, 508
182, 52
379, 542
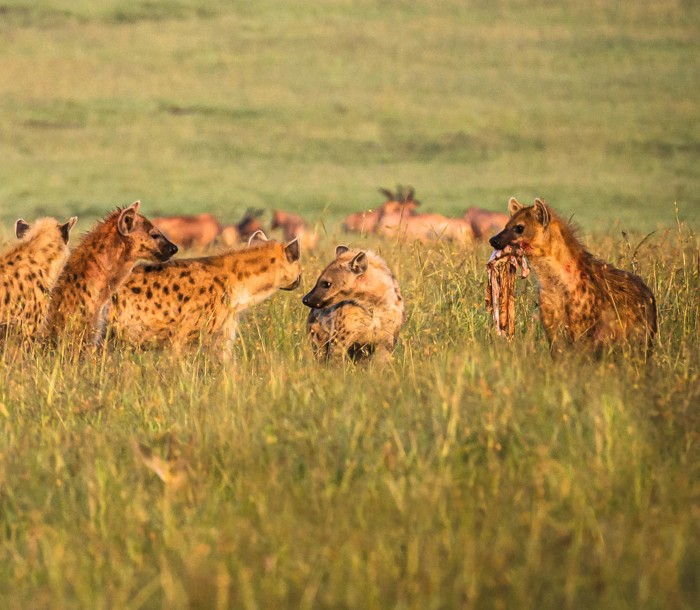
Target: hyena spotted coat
583, 300
96, 268
356, 307
28, 271
179, 302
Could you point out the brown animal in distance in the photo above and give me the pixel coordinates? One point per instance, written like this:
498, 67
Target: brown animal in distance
96, 268
189, 231
402, 202
583, 300
399, 220
240, 232
294, 226
485, 223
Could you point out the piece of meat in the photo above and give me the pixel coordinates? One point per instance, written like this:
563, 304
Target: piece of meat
501, 271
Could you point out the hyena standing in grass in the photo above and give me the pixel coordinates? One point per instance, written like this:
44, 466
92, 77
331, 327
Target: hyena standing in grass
96, 268
356, 307
28, 271
583, 300
179, 302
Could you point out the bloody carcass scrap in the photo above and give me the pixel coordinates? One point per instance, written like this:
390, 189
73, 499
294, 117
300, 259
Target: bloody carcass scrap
500, 288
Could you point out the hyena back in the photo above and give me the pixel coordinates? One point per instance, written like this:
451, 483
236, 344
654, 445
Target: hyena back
582, 299
28, 271
178, 302
356, 307
96, 268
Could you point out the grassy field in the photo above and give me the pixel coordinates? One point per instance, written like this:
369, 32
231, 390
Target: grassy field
472, 473
219, 106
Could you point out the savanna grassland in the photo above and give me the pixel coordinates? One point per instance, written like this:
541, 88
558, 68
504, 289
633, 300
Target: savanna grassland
472, 472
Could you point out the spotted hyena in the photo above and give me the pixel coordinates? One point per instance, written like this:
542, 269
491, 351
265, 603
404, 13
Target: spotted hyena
356, 307
583, 300
96, 268
28, 271
181, 301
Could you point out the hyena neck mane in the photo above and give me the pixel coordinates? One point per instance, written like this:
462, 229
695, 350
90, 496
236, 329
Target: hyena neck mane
95, 269
102, 257
378, 286
561, 256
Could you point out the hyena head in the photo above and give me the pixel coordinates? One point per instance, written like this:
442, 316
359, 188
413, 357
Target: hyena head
49, 228
527, 227
143, 239
289, 269
338, 280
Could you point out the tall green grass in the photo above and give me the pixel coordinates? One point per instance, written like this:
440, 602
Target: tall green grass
472, 472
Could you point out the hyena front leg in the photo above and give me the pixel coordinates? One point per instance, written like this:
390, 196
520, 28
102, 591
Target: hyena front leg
227, 337
555, 328
319, 333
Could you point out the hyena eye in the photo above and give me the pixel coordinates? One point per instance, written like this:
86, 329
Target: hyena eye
154, 234
325, 284
518, 228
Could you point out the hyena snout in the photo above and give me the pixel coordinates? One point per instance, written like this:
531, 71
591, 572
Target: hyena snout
313, 300
499, 241
294, 285
167, 249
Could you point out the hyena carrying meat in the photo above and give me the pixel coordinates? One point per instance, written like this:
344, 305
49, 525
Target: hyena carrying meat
356, 307
583, 300
178, 302
28, 271
96, 268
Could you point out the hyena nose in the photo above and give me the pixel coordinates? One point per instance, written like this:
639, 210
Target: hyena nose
171, 249
306, 300
494, 241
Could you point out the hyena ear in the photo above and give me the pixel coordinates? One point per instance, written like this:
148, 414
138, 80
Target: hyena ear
359, 264
127, 218
340, 250
292, 250
21, 228
65, 228
257, 236
514, 206
541, 213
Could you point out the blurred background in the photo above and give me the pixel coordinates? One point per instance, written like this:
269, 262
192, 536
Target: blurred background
219, 106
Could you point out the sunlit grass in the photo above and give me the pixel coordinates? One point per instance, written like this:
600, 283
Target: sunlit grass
472, 472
